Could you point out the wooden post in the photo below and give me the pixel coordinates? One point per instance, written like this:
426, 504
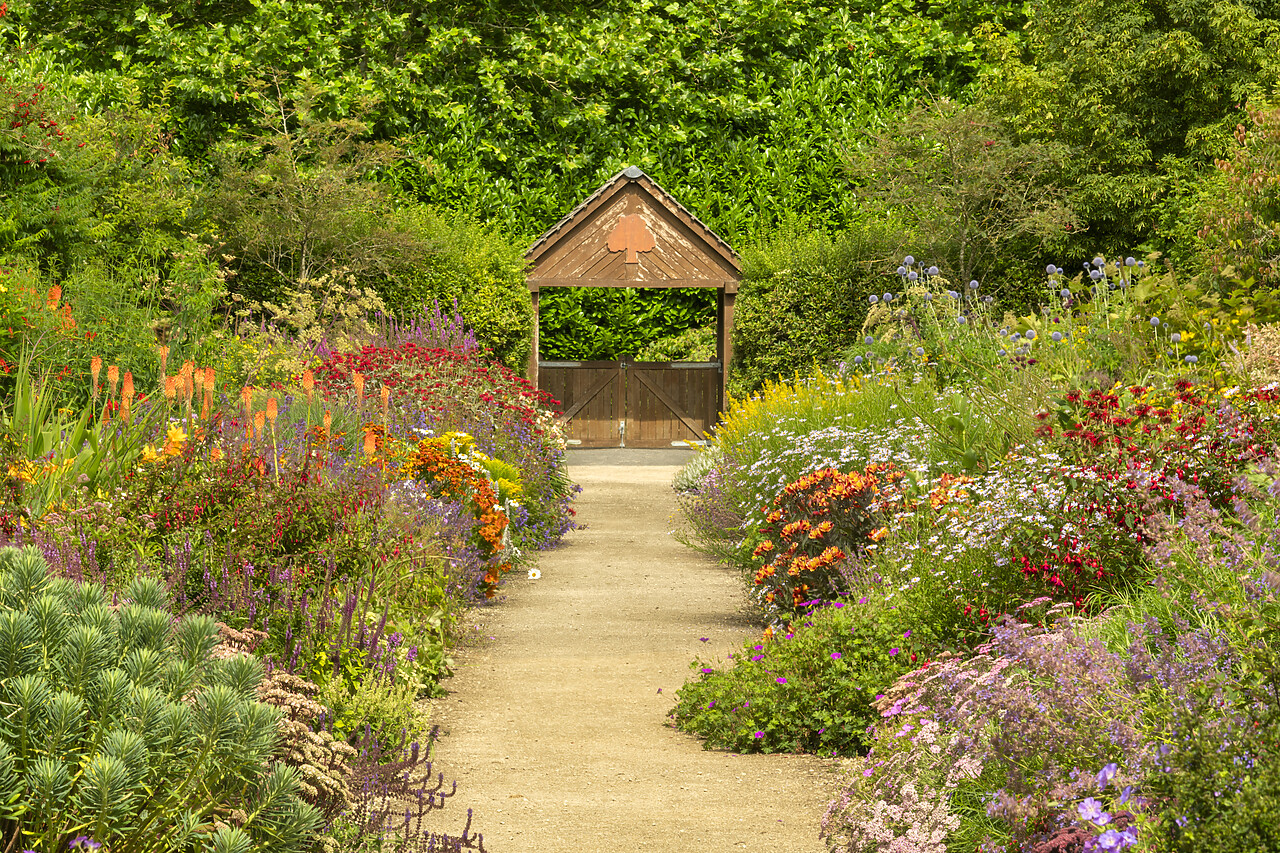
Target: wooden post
533, 350
724, 337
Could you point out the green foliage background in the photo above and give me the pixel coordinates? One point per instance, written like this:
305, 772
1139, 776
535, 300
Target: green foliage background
759, 116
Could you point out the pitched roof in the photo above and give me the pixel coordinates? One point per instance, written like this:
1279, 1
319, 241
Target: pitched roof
608, 190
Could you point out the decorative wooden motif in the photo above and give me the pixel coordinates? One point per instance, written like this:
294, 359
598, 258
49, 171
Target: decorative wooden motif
632, 233
631, 236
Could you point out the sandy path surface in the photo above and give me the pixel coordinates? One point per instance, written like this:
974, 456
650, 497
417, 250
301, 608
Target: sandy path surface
555, 722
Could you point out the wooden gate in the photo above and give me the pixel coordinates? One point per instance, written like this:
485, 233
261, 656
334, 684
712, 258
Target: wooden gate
634, 403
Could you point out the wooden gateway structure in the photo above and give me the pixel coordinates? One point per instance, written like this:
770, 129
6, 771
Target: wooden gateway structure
632, 233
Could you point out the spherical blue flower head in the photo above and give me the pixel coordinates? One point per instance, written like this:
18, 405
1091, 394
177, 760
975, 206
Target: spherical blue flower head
1065, 293
1191, 359
888, 297
962, 319
1128, 262
913, 276
1031, 334
1099, 261
902, 270
1095, 274
1004, 352
928, 297
987, 300
1086, 266
919, 350
1015, 336
952, 294
871, 356
932, 270
1004, 333
1057, 337
973, 285
908, 260
1155, 321
873, 299
1176, 337
1141, 264
857, 359
1051, 269
868, 340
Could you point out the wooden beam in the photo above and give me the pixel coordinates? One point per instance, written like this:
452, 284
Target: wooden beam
537, 283
532, 371
725, 342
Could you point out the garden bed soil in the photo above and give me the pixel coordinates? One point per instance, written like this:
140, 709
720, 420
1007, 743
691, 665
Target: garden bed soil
555, 725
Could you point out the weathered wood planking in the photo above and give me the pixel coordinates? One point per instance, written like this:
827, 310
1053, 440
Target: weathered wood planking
632, 233
591, 395
636, 404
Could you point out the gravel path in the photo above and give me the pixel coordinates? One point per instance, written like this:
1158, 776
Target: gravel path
555, 723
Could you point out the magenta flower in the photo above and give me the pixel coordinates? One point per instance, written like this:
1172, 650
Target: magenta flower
893, 651
781, 680
835, 656
759, 735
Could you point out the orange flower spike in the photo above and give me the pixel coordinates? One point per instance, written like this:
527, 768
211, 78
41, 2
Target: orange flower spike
358, 380
259, 421
273, 410
126, 396
164, 359
246, 397
95, 370
386, 403
309, 384
170, 388
370, 443
53, 297
113, 377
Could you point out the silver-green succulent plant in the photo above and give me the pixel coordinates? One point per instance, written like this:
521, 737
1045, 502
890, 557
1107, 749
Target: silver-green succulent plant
116, 724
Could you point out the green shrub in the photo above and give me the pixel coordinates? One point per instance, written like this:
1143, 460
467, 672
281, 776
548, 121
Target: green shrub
809, 689
479, 269
119, 726
603, 323
696, 344
803, 299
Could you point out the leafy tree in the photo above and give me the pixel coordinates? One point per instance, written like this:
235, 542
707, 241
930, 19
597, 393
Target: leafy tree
512, 115
971, 196
1147, 93
296, 200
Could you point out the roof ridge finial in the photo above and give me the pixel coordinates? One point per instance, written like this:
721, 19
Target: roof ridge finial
632, 172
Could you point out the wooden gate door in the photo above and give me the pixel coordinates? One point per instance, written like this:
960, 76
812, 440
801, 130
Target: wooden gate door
591, 395
633, 404
670, 403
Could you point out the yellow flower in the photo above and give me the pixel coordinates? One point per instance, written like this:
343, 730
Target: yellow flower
22, 472
174, 441
150, 454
